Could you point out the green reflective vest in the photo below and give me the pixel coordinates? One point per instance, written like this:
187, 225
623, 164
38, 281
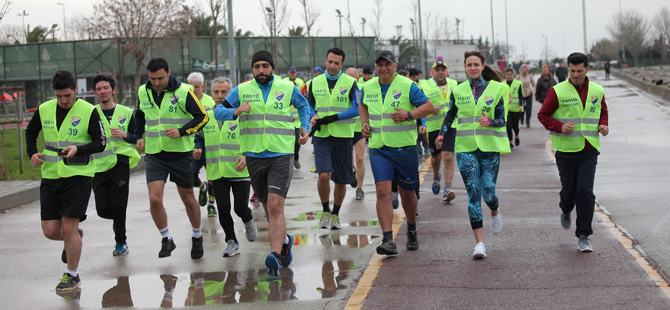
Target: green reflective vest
383, 130
514, 89
171, 114
328, 103
230, 150
472, 136
434, 93
207, 102
269, 125
586, 118
298, 82
115, 146
212, 135
73, 131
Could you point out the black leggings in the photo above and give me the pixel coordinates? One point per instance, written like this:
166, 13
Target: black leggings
240, 190
111, 197
513, 124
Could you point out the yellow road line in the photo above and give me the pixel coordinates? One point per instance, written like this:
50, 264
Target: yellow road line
625, 241
376, 261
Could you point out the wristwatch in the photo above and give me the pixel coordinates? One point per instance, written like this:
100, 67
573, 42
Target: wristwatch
409, 116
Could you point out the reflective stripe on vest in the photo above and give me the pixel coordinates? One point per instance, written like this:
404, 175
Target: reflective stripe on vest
384, 131
514, 89
471, 135
434, 93
331, 103
73, 131
268, 126
230, 150
171, 114
586, 117
116, 146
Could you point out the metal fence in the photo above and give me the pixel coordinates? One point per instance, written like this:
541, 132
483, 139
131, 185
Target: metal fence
33, 65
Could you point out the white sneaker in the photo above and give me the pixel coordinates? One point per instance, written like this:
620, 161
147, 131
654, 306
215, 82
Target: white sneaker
232, 249
480, 251
496, 223
324, 222
250, 230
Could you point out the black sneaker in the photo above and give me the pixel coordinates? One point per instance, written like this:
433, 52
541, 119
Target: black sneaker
196, 248
412, 241
202, 198
68, 283
286, 255
354, 182
387, 247
63, 256
167, 246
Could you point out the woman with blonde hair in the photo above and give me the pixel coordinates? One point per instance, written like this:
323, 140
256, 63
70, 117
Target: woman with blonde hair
479, 106
528, 85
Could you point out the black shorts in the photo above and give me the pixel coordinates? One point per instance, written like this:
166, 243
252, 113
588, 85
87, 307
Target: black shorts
357, 136
334, 155
447, 143
180, 170
270, 175
65, 197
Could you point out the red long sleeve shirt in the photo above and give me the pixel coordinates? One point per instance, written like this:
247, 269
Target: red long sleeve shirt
550, 105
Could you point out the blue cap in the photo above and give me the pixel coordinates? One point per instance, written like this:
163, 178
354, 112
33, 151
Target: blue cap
317, 69
292, 69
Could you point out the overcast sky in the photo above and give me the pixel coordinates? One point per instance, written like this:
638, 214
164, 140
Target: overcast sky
529, 21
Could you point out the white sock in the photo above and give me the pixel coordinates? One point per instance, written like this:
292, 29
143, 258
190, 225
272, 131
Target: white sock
286, 239
165, 233
73, 273
197, 232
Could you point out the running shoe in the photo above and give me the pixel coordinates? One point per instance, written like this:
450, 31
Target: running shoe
335, 222
387, 247
394, 200
480, 251
68, 283
566, 222
232, 249
211, 210
273, 264
517, 141
354, 182
584, 244
360, 194
253, 198
412, 240
448, 196
286, 255
120, 249
296, 164
202, 198
496, 223
196, 248
436, 185
63, 256
250, 230
167, 246
324, 222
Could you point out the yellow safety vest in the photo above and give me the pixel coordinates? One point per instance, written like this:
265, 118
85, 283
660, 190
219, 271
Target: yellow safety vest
383, 130
586, 118
115, 146
73, 131
328, 103
514, 89
434, 93
171, 114
472, 136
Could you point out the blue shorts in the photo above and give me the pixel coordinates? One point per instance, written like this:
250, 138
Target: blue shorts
396, 164
334, 155
447, 144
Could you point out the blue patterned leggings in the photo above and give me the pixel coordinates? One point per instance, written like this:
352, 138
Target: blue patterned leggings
480, 173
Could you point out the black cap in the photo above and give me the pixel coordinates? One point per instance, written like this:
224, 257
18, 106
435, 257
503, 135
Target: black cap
262, 56
403, 68
367, 70
388, 55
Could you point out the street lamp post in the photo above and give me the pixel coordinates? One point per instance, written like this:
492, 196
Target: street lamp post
411, 20
64, 28
273, 31
339, 16
23, 19
363, 21
53, 32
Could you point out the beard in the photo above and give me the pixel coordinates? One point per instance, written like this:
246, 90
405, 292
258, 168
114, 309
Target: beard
262, 79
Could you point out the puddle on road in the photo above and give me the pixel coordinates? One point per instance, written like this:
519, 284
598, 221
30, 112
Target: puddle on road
353, 241
225, 287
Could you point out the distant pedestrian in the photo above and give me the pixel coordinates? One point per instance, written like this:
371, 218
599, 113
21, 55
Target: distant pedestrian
561, 72
607, 70
515, 108
574, 131
479, 107
544, 83
389, 107
293, 77
112, 167
528, 84
262, 107
72, 131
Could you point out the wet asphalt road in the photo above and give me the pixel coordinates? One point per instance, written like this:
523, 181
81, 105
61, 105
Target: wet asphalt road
533, 263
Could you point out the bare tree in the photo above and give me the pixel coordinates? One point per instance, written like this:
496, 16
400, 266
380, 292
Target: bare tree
276, 19
631, 29
376, 23
310, 13
11, 34
81, 27
4, 9
217, 9
136, 24
662, 25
